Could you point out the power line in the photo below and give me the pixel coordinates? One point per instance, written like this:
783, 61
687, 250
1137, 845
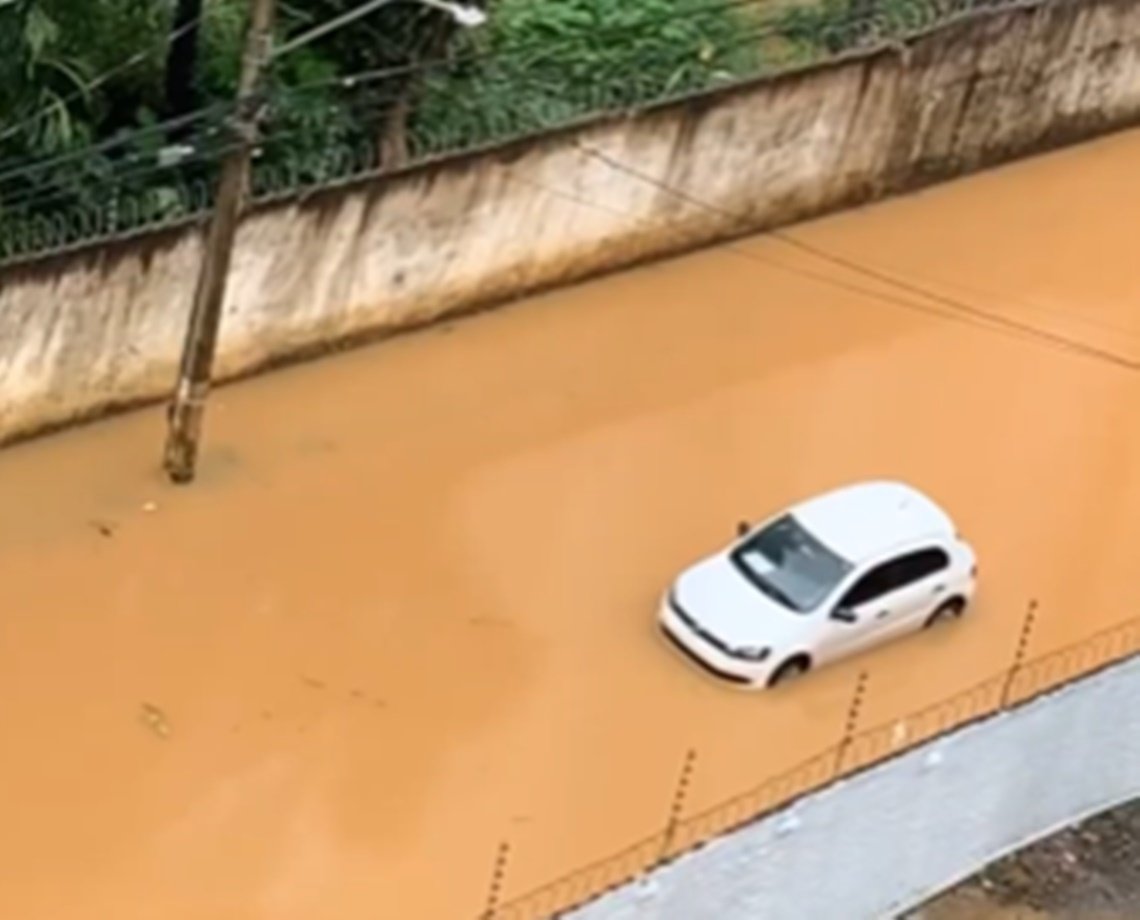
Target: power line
37, 197
735, 249
463, 14
357, 79
771, 12
349, 81
957, 311
362, 78
962, 306
952, 307
134, 60
509, 51
119, 140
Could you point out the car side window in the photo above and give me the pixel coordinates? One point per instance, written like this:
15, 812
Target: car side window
918, 565
876, 583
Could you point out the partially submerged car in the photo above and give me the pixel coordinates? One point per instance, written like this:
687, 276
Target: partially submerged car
832, 576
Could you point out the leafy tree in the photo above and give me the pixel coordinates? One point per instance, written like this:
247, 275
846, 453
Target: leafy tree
77, 73
64, 85
395, 40
181, 87
832, 26
538, 63
43, 94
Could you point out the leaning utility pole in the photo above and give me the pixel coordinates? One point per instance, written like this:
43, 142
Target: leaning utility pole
186, 411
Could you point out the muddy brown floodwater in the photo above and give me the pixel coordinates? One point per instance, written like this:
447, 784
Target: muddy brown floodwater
407, 612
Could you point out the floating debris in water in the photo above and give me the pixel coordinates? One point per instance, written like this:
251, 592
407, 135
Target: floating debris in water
106, 528
155, 719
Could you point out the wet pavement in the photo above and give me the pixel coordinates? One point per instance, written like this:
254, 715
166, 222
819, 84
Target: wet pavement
407, 611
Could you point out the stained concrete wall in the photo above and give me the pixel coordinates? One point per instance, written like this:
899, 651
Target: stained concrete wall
888, 839
101, 326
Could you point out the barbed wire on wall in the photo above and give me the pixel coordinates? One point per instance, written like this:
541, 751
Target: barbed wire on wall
138, 190
119, 214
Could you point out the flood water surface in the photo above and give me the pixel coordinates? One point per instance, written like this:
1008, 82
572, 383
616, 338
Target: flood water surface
407, 611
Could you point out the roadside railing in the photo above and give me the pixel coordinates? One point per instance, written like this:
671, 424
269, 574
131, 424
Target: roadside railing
1021, 683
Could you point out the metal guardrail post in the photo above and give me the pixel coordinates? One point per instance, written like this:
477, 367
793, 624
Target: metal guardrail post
1019, 652
852, 721
677, 805
495, 891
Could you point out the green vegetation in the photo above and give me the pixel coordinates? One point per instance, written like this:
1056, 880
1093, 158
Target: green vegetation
540, 63
78, 73
106, 124
833, 26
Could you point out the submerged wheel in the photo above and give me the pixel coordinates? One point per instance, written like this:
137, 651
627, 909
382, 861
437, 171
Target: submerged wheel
789, 670
948, 611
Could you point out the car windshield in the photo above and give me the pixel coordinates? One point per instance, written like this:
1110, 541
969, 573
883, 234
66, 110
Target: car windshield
786, 562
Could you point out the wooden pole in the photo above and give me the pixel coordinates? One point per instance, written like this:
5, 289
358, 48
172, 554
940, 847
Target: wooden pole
186, 411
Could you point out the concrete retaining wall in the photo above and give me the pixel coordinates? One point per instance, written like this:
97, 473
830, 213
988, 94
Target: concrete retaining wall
890, 838
102, 326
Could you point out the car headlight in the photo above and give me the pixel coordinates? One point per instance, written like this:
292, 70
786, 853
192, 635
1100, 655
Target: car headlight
752, 653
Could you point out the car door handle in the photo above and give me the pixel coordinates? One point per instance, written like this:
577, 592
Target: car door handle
881, 614
938, 589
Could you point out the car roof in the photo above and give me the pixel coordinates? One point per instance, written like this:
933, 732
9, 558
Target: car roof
867, 519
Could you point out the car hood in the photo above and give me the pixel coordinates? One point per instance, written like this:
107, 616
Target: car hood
722, 601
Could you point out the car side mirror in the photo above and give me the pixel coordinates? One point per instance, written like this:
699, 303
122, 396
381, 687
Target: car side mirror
844, 615
742, 528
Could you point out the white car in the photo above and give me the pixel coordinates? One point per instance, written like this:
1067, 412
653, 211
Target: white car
832, 576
